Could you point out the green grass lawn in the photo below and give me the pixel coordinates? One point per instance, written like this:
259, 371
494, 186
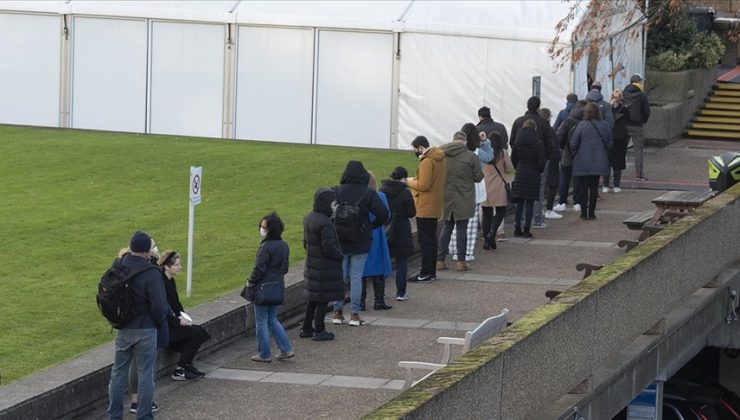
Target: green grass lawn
71, 199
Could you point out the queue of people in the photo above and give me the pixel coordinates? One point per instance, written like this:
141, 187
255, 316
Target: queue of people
355, 230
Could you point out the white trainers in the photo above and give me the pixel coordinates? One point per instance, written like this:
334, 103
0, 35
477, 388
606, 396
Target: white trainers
605, 190
617, 190
576, 207
550, 214
559, 207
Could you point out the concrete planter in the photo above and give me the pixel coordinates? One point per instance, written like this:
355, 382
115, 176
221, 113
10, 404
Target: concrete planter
674, 99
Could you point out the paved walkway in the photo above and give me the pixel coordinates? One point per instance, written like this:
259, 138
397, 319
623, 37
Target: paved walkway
357, 372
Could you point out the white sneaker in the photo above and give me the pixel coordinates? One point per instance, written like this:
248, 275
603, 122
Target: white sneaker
576, 207
559, 207
617, 190
605, 189
550, 214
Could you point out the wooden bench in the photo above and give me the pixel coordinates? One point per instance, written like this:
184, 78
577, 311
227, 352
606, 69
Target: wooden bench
481, 333
637, 221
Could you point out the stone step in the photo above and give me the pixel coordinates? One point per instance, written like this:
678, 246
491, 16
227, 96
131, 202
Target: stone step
728, 107
710, 126
724, 99
728, 86
727, 92
723, 120
719, 112
713, 134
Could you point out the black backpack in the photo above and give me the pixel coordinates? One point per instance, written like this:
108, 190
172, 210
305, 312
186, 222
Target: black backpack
115, 297
632, 109
348, 220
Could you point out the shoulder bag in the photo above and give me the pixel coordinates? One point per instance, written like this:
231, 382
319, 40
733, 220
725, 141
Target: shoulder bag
507, 185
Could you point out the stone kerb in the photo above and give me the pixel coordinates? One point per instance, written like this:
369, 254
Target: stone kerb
559, 345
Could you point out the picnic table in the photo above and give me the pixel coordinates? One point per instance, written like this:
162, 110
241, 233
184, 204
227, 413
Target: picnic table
670, 207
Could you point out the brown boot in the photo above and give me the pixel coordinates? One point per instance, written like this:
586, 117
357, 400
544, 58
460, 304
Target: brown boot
338, 318
355, 320
441, 266
462, 266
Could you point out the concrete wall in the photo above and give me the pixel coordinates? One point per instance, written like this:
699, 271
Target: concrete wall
560, 345
674, 99
75, 387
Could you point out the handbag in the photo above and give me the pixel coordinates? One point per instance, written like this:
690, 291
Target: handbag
507, 186
248, 292
390, 228
270, 294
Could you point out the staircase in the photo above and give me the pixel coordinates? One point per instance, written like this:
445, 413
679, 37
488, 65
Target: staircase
719, 118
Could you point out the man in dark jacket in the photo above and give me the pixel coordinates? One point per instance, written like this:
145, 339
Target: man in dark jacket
596, 97
487, 124
322, 273
637, 110
565, 131
570, 103
547, 137
353, 190
463, 171
137, 338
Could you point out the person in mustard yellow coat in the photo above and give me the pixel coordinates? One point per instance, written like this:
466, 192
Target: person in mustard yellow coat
428, 189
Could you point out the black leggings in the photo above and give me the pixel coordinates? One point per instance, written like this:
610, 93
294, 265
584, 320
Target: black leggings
589, 191
490, 222
187, 341
315, 312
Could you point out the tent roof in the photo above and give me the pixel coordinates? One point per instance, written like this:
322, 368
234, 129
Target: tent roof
532, 20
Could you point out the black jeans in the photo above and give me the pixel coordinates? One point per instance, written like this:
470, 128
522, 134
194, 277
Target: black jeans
551, 192
566, 173
446, 235
187, 341
588, 192
490, 222
520, 205
427, 235
315, 311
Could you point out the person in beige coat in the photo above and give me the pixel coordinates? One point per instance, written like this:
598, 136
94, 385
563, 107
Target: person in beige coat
428, 190
496, 196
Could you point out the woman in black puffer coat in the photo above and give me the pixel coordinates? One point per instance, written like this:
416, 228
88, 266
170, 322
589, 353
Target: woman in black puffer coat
528, 158
323, 270
400, 241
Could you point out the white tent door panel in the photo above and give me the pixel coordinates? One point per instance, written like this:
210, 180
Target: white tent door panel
187, 62
509, 71
109, 74
441, 87
29, 69
274, 85
355, 73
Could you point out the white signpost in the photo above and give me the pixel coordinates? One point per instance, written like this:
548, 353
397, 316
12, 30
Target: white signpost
196, 183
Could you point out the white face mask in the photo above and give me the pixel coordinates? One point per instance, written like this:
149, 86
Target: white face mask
263, 232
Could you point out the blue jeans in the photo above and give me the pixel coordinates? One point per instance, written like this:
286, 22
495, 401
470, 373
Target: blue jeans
402, 266
352, 267
140, 344
266, 324
566, 173
538, 215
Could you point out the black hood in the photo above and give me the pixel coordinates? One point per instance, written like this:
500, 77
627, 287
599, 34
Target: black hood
322, 200
355, 173
526, 136
392, 188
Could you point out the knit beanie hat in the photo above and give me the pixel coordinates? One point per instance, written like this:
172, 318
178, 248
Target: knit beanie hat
140, 242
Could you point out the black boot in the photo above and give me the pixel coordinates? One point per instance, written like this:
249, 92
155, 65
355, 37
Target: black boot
487, 243
518, 230
526, 233
379, 289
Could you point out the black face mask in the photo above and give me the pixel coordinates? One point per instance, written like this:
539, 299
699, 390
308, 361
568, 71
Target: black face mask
417, 153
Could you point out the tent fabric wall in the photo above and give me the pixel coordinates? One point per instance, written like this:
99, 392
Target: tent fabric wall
354, 89
30, 69
186, 79
445, 79
327, 66
274, 91
109, 74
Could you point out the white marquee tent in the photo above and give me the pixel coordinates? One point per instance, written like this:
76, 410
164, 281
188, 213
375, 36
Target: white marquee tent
357, 73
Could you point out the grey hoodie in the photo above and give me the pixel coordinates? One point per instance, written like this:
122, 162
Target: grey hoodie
606, 111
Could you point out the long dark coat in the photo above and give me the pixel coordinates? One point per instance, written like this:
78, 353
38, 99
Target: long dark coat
618, 159
402, 208
322, 273
528, 157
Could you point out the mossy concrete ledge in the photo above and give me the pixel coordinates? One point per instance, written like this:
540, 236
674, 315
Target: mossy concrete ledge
558, 346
